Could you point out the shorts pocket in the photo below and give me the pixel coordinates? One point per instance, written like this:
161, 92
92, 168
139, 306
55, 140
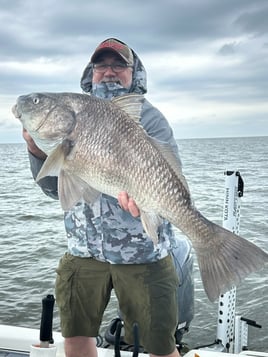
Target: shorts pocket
64, 288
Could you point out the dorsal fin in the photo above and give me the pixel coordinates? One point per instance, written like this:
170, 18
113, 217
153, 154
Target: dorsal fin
131, 104
171, 158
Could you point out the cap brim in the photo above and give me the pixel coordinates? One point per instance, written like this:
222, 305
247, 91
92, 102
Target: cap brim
99, 52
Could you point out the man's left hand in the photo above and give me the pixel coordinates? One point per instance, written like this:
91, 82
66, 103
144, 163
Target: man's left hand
128, 204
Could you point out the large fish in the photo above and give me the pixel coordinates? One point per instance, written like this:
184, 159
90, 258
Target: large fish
97, 146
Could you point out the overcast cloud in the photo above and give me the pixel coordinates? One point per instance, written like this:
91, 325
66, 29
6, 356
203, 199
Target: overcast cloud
206, 60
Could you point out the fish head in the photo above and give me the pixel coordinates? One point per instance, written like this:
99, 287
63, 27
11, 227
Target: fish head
45, 116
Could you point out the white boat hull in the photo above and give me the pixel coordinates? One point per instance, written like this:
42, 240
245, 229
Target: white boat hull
20, 339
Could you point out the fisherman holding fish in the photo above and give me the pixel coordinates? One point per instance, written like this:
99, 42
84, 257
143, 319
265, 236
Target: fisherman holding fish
121, 186
107, 245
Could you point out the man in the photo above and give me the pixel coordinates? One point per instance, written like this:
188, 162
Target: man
107, 247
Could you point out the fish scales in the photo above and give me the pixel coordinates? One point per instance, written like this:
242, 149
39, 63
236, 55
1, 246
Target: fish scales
99, 146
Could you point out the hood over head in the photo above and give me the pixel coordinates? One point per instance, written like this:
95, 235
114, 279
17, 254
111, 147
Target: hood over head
139, 79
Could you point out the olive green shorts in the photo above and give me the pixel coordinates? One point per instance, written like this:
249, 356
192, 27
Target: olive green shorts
147, 295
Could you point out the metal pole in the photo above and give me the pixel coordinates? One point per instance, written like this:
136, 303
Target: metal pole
231, 221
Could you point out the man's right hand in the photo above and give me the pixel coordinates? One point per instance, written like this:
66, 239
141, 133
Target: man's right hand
32, 147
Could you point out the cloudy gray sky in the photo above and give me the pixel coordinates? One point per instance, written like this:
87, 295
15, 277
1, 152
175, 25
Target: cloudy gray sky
206, 60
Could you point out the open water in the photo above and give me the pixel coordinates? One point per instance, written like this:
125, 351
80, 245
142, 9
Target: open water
32, 235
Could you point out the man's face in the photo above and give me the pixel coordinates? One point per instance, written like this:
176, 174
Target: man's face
109, 75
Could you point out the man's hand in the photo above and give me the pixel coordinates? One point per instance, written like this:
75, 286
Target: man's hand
32, 146
128, 204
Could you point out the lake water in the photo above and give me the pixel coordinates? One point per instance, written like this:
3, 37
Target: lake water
33, 237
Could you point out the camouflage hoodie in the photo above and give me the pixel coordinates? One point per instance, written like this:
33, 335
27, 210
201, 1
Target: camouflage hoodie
103, 230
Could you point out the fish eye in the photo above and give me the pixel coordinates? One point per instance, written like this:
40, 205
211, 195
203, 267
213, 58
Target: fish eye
35, 100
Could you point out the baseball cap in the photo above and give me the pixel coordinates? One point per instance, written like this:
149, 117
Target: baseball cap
116, 46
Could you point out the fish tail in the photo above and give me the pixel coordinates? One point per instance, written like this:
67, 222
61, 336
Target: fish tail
231, 259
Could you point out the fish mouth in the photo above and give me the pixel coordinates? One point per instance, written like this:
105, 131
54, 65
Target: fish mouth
18, 115
16, 112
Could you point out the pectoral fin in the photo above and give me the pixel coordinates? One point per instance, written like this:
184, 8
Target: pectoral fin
55, 160
72, 189
151, 222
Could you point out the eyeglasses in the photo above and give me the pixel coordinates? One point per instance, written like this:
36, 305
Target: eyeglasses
115, 67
